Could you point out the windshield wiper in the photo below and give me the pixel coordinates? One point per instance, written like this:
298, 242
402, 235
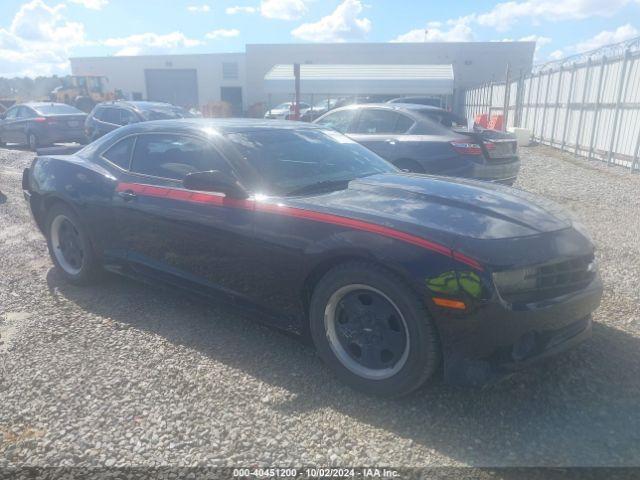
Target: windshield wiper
328, 185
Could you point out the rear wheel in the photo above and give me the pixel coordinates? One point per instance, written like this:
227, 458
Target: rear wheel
32, 141
70, 246
372, 330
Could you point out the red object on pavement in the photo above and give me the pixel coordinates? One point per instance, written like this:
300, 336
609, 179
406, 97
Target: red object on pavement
496, 122
482, 120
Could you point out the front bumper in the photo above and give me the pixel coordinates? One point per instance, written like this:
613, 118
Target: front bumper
500, 338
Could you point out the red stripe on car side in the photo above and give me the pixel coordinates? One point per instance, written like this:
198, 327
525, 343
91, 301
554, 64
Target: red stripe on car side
221, 200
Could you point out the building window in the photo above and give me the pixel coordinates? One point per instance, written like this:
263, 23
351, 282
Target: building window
229, 70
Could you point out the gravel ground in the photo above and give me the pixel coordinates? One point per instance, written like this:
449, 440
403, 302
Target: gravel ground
125, 374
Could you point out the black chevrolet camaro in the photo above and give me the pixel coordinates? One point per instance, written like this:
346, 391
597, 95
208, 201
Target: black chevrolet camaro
392, 275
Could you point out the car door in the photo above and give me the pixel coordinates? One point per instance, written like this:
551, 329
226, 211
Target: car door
10, 125
381, 131
197, 242
25, 123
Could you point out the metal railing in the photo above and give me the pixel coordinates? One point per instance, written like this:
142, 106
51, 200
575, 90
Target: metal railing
587, 104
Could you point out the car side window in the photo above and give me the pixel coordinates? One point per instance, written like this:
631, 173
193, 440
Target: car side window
403, 124
175, 156
339, 121
375, 122
98, 113
26, 112
11, 113
127, 117
111, 115
120, 153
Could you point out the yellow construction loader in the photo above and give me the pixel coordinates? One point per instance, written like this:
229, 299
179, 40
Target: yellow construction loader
83, 91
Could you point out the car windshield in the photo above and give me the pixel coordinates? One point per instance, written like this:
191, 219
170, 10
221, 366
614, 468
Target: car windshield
325, 104
165, 113
58, 109
283, 106
291, 161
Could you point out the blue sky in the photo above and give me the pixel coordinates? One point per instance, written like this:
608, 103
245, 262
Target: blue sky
38, 36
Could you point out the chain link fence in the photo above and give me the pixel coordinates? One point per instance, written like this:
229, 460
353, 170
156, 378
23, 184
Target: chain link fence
588, 104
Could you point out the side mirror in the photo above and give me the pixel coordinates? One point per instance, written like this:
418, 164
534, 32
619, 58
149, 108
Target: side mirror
214, 181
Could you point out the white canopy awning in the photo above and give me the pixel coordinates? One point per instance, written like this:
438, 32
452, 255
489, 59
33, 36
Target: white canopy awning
362, 79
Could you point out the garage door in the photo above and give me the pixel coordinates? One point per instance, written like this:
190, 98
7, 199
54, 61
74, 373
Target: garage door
176, 86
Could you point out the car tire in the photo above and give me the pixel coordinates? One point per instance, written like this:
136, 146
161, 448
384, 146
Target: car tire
373, 330
409, 165
70, 246
32, 141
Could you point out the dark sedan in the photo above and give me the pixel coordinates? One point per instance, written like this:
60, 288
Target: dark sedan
391, 274
424, 139
39, 124
107, 116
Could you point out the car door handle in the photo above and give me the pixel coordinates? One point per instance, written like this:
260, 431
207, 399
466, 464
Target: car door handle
390, 141
127, 195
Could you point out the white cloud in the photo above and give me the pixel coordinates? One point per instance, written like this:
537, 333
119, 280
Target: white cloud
540, 40
620, 34
238, 9
223, 32
38, 41
457, 31
92, 4
504, 15
150, 43
283, 9
341, 25
199, 8
556, 54
606, 37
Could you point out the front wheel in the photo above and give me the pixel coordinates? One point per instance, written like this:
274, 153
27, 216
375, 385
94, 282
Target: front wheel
70, 246
373, 331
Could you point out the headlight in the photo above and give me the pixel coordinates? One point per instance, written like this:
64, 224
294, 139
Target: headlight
514, 281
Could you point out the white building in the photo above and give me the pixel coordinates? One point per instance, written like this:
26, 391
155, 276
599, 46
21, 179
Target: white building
239, 78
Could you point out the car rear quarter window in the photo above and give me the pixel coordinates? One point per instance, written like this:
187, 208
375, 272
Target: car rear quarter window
127, 117
340, 120
403, 124
120, 153
374, 122
175, 156
435, 123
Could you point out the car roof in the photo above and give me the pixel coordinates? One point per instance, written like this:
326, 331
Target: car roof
42, 104
220, 125
391, 106
138, 104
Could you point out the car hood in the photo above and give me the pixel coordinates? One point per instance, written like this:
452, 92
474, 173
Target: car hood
442, 207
